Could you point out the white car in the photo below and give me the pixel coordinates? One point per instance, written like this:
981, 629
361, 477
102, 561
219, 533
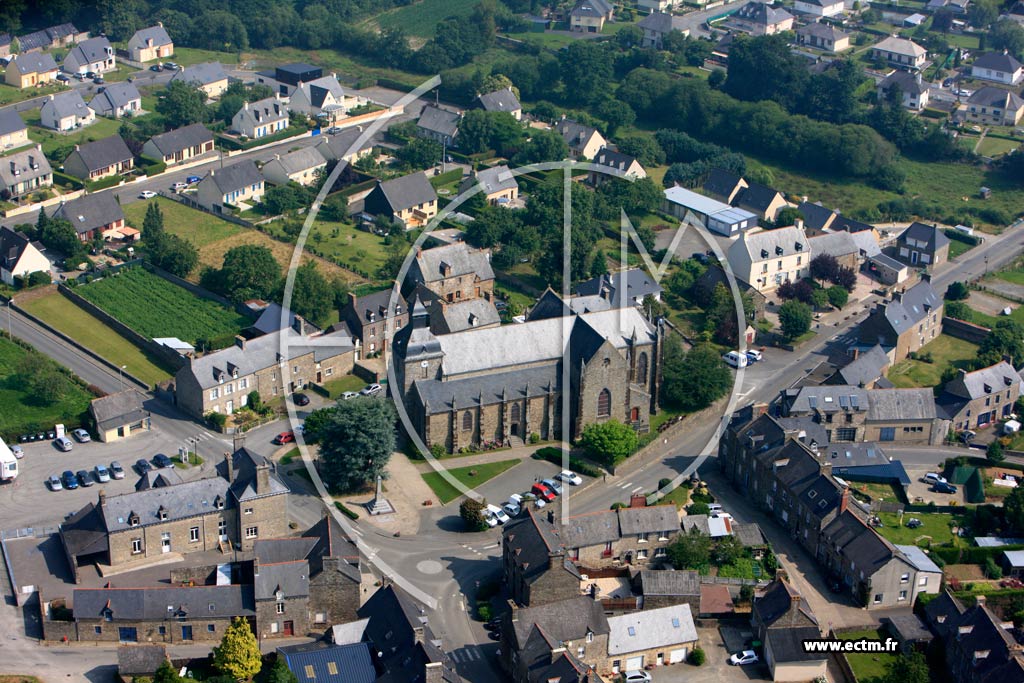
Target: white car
934, 478
179, 186
637, 677
498, 513
569, 477
81, 436
18, 452
102, 474
116, 471
147, 194
736, 359
743, 658
348, 395
714, 509
489, 519
371, 390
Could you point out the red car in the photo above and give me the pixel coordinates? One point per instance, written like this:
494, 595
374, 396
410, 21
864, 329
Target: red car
284, 437
542, 491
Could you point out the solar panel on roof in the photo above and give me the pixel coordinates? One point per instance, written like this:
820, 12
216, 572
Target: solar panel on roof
812, 401
844, 401
854, 400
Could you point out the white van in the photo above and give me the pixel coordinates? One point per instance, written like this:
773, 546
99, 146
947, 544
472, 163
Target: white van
498, 513
735, 359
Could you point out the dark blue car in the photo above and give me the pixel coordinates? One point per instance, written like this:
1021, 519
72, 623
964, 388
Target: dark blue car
69, 479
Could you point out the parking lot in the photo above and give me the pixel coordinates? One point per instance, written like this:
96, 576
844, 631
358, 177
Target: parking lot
920, 491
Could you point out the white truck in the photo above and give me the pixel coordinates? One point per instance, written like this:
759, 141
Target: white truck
8, 463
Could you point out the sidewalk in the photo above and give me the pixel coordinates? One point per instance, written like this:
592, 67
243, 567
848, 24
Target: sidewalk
517, 453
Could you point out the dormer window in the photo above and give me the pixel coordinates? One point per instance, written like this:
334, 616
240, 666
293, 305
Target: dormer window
133, 519
218, 503
764, 253
162, 513
778, 251
799, 246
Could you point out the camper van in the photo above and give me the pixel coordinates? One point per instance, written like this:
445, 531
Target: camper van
735, 359
8, 463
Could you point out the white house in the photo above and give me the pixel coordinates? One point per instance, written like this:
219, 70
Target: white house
900, 52
1000, 67
261, 118
712, 214
231, 186
19, 256
323, 97
767, 258
66, 111
95, 55
820, 8
300, 166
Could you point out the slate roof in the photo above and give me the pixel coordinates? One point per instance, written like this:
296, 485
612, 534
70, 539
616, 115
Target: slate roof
764, 245
615, 159
182, 138
756, 196
530, 540
45, 37
261, 112
852, 454
637, 631
234, 177
377, 303
762, 13
827, 399
291, 579
351, 663
900, 46
201, 74
157, 604
28, 164
463, 315
589, 8
407, 191
669, 582
837, 244
90, 51
270, 319
855, 540
787, 645
100, 154
849, 225
91, 211
651, 519
901, 404
564, 620
749, 535
497, 179
317, 90
574, 133
65, 104
463, 260
300, 160
84, 532
913, 306
500, 100
340, 145
942, 612
905, 82
158, 34
865, 369
866, 242
722, 182
140, 659
997, 61
775, 607
154, 479
585, 530
660, 22
438, 120
468, 392
179, 501
990, 96
931, 235
117, 409
10, 122
637, 284
114, 96
12, 246
918, 559
983, 382
816, 216
34, 62
908, 628
821, 31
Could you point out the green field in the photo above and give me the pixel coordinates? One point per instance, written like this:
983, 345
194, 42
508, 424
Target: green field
471, 476
154, 307
9, 94
934, 529
52, 141
88, 331
24, 412
187, 56
945, 350
994, 147
337, 387
868, 667
957, 248
421, 18
198, 227
346, 244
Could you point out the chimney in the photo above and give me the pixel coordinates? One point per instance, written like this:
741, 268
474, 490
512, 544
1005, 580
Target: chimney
897, 296
229, 467
240, 341
263, 478
103, 498
961, 373
299, 325
782, 574
551, 516
513, 609
844, 500
799, 223
352, 299
638, 500
278, 157
854, 353
760, 409
980, 600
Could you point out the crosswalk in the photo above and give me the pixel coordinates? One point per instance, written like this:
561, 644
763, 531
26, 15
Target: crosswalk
466, 655
629, 486
482, 549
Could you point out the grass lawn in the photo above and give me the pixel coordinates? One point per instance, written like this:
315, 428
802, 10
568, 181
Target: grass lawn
198, 227
293, 454
679, 496
93, 334
875, 491
868, 667
471, 476
956, 248
187, 56
933, 524
336, 387
946, 351
52, 140
25, 412
743, 568
154, 307
553, 41
420, 19
346, 244
9, 94
994, 147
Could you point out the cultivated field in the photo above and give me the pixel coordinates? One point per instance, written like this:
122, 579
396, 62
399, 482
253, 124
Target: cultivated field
421, 18
154, 307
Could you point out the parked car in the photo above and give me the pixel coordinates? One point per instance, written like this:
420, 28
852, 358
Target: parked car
636, 677
192, 179
98, 80
943, 487
514, 505
53, 483
142, 466
300, 399
735, 359
714, 509
68, 480
63, 443
102, 474
179, 186
914, 523
18, 452
553, 485
934, 478
489, 519
156, 67
349, 394
542, 492
162, 461
569, 477
333, 130
284, 437
743, 658
84, 478
147, 194
90, 74
371, 390
170, 66
947, 82
753, 356
63, 78
498, 513
967, 436
116, 471
81, 436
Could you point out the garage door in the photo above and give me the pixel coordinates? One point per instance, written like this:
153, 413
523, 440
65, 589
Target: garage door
677, 656
635, 663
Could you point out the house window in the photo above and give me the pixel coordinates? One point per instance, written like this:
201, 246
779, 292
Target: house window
98, 630
210, 628
641, 368
467, 421
642, 537
641, 554
878, 598
887, 434
661, 552
329, 372
251, 532
923, 581
248, 511
903, 595
273, 627
193, 534
604, 403
905, 578
280, 608
214, 394
229, 388
162, 630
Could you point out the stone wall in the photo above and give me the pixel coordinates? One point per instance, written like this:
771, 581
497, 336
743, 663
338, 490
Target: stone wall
201, 575
272, 624
965, 330
333, 595
179, 530
162, 631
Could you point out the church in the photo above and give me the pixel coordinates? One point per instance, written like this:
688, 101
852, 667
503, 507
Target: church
500, 385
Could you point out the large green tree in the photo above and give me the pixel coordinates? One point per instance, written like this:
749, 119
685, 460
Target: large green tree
182, 104
58, 234
692, 380
174, 254
356, 441
250, 272
908, 668
690, 550
312, 295
1013, 510
238, 654
609, 442
280, 673
587, 67
794, 318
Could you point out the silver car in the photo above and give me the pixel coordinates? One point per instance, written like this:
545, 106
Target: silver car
102, 474
63, 443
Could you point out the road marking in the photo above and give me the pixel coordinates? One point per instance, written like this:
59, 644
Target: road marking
493, 545
638, 488
625, 484
473, 654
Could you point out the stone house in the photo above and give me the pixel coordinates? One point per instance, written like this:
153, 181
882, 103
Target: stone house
221, 381
66, 111
588, 16
454, 272
498, 186
657, 637
241, 500
117, 100
899, 52
535, 565
782, 620
409, 200
30, 69
19, 256
209, 77
234, 185
179, 145
151, 43
24, 172
976, 399
446, 318
557, 640
439, 124
13, 131
92, 214
620, 289
367, 320
261, 118
303, 166
52, 37
767, 258
95, 55
823, 37
978, 646
667, 587
584, 141
911, 319
922, 245
100, 158
840, 245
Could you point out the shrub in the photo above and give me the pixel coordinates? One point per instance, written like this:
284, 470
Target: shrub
534, 438
554, 456
664, 482
216, 420
619, 505
697, 656
483, 610
992, 570
698, 509
471, 511
345, 511
437, 450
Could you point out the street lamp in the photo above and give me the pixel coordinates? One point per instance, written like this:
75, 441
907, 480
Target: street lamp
120, 376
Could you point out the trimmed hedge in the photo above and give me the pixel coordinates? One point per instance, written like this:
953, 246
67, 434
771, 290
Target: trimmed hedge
289, 132
150, 166
961, 237
66, 180
971, 555
446, 177
554, 456
103, 183
345, 511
